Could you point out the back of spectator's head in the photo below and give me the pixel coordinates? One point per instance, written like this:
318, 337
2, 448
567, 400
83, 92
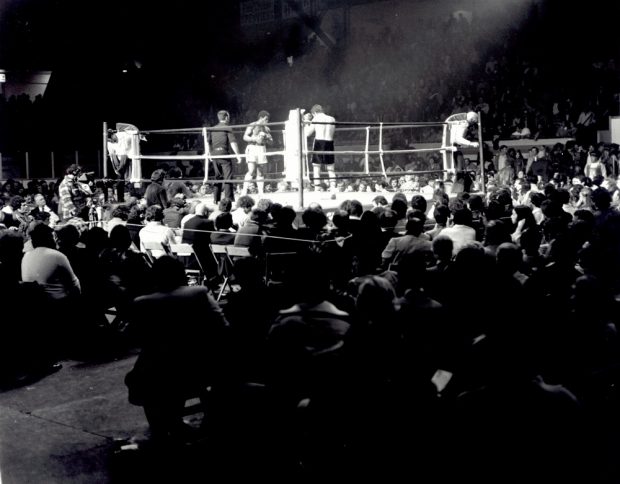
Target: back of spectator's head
340, 219
443, 247
375, 298
508, 257
285, 216
259, 216
388, 219
585, 215
417, 214
462, 216
415, 226
537, 199
11, 246
120, 238
168, 273
223, 221
496, 233
441, 214
317, 108
314, 219
551, 208
225, 205
42, 236
355, 208
264, 204
380, 200
476, 203
418, 202
68, 235
16, 202
400, 207
245, 202
154, 213
601, 199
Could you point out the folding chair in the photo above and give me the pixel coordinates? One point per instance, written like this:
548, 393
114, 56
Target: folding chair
224, 266
186, 253
149, 247
237, 251
277, 265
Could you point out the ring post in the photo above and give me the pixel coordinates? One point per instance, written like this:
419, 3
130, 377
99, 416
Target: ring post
207, 151
481, 151
366, 156
381, 149
105, 151
27, 166
301, 159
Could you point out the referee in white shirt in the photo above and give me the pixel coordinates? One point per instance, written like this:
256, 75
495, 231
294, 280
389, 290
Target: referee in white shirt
323, 141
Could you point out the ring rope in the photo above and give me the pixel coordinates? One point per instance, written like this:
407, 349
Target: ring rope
367, 161
338, 239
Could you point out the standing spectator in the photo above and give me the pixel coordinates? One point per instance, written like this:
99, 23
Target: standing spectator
72, 193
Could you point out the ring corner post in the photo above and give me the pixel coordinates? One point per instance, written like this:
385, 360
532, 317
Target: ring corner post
205, 139
104, 152
481, 151
301, 158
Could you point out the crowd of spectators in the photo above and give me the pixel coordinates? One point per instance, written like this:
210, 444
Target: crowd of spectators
470, 324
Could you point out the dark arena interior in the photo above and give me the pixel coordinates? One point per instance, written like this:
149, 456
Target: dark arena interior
310, 241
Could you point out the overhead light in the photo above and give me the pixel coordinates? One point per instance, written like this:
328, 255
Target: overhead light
124, 71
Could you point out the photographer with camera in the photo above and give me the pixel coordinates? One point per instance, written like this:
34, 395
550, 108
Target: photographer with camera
73, 194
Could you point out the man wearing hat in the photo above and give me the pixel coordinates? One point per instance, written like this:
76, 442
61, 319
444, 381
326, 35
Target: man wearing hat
155, 193
257, 135
323, 127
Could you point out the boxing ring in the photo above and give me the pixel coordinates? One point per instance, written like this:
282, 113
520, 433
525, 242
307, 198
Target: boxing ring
292, 149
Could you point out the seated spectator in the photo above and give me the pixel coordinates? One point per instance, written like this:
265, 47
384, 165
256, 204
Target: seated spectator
173, 367
174, 186
41, 206
282, 229
225, 205
459, 230
242, 214
156, 231
399, 246
175, 213
250, 234
225, 234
